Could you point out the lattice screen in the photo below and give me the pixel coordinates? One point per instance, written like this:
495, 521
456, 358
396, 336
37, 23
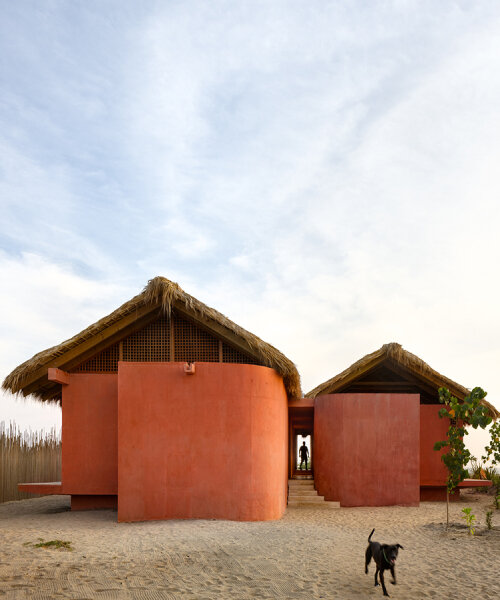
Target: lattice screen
104, 362
152, 344
231, 355
194, 344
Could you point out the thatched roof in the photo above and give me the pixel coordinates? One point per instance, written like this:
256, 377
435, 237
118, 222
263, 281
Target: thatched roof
396, 354
160, 296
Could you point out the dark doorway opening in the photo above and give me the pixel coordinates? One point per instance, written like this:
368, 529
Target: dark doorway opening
301, 429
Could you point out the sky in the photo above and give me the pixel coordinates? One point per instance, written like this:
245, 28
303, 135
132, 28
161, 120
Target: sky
323, 173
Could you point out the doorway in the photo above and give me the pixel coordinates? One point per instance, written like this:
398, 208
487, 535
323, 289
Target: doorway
301, 429
303, 444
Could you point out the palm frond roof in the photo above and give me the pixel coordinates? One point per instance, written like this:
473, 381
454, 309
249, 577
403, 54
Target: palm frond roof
394, 353
160, 295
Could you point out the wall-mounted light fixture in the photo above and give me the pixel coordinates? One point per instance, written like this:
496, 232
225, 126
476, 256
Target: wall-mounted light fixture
189, 368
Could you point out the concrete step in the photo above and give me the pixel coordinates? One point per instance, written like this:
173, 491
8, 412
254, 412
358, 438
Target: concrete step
301, 482
305, 498
301, 492
322, 504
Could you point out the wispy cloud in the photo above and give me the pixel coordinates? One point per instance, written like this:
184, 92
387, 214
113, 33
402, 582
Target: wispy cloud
323, 173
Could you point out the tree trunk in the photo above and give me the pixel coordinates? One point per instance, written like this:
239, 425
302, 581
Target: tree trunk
447, 507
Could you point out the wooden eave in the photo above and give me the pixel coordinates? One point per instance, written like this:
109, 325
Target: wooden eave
88, 348
37, 380
407, 374
405, 379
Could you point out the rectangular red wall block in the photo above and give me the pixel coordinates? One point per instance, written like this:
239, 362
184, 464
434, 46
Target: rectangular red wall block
432, 429
90, 434
367, 448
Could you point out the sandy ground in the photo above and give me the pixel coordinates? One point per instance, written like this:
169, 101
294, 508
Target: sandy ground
310, 553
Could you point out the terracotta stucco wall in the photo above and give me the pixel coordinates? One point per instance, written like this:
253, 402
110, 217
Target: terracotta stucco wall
367, 449
432, 430
432, 470
208, 445
90, 434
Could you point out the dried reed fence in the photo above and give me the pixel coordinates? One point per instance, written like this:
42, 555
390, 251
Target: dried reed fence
27, 457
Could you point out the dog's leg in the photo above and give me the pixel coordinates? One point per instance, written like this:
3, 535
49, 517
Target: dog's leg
368, 557
376, 576
383, 582
393, 573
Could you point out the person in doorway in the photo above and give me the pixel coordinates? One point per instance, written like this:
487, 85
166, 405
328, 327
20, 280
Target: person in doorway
304, 454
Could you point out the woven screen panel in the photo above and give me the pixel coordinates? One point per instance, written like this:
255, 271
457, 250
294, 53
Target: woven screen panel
193, 343
231, 355
104, 362
151, 344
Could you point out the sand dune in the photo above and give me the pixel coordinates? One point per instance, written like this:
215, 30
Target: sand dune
310, 553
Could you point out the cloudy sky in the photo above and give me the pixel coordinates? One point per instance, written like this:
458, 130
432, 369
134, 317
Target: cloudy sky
324, 173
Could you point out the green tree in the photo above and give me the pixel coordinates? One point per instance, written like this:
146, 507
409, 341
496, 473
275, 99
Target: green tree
493, 449
469, 412
493, 454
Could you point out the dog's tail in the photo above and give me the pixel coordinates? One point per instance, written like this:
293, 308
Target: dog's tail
370, 536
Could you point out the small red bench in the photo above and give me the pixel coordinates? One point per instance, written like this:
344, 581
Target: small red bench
435, 491
472, 483
45, 489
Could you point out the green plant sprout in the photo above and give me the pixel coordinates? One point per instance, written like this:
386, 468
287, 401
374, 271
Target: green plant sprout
489, 522
470, 519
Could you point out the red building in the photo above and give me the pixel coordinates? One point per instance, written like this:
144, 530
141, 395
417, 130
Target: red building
171, 410
374, 427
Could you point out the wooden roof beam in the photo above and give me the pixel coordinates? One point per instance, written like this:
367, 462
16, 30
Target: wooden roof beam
425, 384
58, 375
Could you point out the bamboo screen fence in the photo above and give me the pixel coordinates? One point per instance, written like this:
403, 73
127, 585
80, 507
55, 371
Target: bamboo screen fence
27, 457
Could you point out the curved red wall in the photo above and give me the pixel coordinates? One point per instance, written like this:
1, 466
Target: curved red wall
208, 445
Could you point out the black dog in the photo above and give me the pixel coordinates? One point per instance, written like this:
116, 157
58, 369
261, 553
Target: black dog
384, 557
